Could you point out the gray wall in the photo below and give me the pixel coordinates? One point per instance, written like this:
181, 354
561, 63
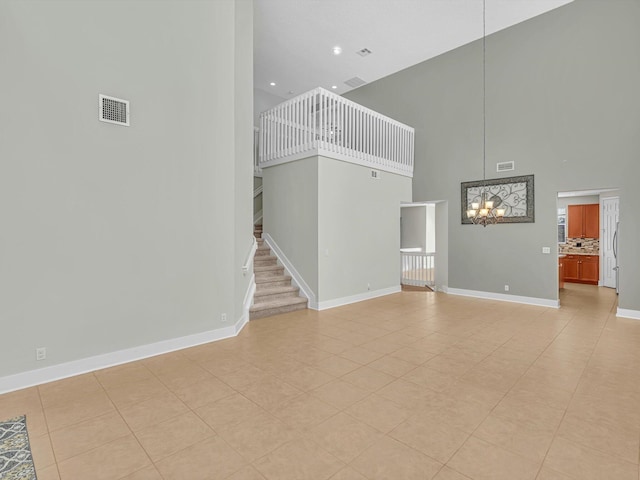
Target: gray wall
290, 209
562, 102
115, 237
359, 228
414, 227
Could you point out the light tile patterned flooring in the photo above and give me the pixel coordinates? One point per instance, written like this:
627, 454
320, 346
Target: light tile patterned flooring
409, 386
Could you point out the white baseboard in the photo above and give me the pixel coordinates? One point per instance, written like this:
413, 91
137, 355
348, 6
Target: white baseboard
540, 302
626, 313
337, 302
111, 359
296, 278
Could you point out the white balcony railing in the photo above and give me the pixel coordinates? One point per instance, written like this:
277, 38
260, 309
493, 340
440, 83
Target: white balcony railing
322, 123
417, 268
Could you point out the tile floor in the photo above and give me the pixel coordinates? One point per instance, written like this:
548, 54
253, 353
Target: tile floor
409, 386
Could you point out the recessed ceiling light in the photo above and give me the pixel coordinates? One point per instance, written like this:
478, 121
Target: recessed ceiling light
290, 92
334, 86
273, 84
337, 50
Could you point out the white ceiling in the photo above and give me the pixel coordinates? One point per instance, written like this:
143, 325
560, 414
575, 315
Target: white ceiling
293, 39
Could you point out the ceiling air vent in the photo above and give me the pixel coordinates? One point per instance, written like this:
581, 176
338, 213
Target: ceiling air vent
364, 52
113, 110
355, 82
505, 166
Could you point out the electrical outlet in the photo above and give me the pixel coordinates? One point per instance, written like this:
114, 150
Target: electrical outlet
368, 286
506, 288
223, 317
41, 353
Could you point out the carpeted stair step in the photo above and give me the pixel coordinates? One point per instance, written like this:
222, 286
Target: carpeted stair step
263, 295
277, 307
264, 260
263, 250
275, 281
268, 271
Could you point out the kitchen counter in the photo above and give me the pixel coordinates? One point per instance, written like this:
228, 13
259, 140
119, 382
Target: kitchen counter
579, 253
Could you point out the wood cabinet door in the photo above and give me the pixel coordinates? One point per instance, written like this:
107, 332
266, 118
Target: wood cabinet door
590, 271
576, 221
592, 221
570, 269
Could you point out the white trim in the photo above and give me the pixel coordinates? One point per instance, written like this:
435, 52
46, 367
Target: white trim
626, 313
249, 261
98, 362
257, 191
246, 303
296, 278
320, 152
337, 302
540, 302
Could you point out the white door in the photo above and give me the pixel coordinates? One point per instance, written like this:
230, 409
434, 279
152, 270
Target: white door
610, 209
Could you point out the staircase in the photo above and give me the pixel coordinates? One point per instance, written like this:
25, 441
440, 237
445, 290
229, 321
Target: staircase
274, 292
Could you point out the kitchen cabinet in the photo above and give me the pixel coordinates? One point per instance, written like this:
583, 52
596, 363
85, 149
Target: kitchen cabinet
581, 269
561, 272
584, 221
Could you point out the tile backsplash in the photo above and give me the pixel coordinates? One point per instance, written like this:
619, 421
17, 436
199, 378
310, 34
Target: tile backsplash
587, 245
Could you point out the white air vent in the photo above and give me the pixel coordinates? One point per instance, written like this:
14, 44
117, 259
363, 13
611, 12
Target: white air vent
364, 52
355, 82
505, 166
113, 110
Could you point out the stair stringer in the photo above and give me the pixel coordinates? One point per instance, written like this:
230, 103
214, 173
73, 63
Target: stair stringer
296, 278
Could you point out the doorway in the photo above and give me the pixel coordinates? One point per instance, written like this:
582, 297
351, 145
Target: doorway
587, 238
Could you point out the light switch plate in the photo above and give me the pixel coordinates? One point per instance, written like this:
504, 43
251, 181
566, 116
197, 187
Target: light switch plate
546, 249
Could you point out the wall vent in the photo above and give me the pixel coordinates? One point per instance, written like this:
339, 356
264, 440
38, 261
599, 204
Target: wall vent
355, 82
505, 166
113, 110
364, 52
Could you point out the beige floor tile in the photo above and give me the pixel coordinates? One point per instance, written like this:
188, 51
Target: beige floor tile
41, 450
432, 379
548, 474
380, 413
299, 460
527, 390
229, 411
20, 402
199, 394
168, 437
99, 464
242, 377
270, 392
128, 373
413, 355
406, 394
68, 390
437, 440
127, 394
212, 458
344, 436
381, 345
348, 473
621, 441
337, 366
48, 473
368, 378
247, 473
524, 438
483, 461
392, 366
585, 463
306, 378
451, 365
389, 459
183, 376
538, 415
78, 409
340, 394
147, 473
153, 411
449, 474
360, 355
258, 436
79, 438
304, 411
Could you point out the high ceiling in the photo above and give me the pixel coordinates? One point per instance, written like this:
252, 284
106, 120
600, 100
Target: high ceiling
294, 39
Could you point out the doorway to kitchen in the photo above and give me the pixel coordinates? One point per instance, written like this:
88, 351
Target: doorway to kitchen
587, 238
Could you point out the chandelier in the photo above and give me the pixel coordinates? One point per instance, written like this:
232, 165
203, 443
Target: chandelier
485, 212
